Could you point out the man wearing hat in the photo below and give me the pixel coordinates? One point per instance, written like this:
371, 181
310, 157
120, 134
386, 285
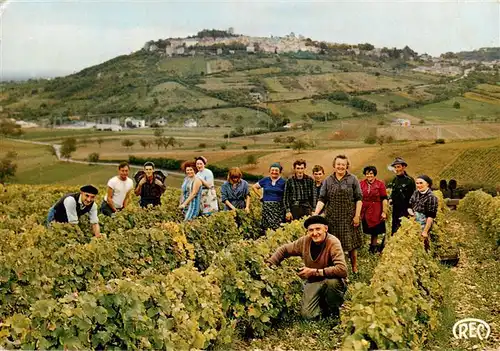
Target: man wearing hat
402, 187
324, 268
72, 206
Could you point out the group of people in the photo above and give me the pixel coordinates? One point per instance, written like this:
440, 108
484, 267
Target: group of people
150, 185
339, 207
347, 205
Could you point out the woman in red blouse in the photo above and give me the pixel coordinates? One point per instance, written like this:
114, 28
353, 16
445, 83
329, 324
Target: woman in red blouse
374, 210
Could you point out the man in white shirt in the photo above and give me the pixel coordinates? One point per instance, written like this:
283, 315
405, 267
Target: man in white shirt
119, 189
72, 206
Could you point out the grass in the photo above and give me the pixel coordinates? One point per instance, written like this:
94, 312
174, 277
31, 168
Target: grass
183, 65
474, 291
444, 112
241, 159
234, 117
235, 82
383, 100
295, 110
35, 165
171, 95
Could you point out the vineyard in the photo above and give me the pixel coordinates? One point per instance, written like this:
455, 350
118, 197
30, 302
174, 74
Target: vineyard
155, 282
475, 166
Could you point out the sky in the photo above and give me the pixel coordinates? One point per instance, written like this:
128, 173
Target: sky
41, 38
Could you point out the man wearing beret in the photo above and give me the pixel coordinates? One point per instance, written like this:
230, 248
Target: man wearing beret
72, 206
402, 188
324, 268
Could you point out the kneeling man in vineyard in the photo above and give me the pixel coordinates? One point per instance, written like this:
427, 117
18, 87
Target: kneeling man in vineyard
324, 270
71, 207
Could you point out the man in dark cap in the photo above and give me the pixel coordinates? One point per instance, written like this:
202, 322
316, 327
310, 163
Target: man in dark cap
402, 187
324, 268
72, 206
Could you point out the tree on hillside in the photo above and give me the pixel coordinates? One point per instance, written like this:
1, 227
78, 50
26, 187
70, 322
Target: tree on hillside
143, 143
7, 167
127, 143
9, 128
366, 47
299, 145
170, 141
456, 105
93, 157
100, 141
68, 147
159, 142
381, 140
251, 160
158, 132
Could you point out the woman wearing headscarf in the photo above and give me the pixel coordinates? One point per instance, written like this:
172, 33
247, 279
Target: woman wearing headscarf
424, 206
273, 190
235, 192
191, 192
209, 202
341, 197
374, 210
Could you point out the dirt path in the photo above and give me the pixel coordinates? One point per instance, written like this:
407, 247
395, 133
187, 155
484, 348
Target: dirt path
475, 291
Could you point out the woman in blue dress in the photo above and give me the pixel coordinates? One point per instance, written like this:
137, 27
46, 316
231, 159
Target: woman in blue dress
191, 192
273, 190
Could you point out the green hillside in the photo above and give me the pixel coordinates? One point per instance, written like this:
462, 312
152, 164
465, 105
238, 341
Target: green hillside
216, 89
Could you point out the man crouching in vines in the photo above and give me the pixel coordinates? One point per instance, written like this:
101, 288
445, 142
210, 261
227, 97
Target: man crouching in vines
71, 207
324, 269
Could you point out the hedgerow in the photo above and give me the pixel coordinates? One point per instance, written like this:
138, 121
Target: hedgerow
398, 309
485, 209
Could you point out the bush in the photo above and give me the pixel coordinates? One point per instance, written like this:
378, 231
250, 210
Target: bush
93, 157
223, 146
439, 141
371, 139
456, 105
202, 145
245, 147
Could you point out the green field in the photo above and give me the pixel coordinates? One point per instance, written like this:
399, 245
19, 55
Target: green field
183, 65
386, 100
234, 117
444, 112
36, 165
295, 110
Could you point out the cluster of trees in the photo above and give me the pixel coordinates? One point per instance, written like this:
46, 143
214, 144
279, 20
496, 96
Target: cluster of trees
295, 143
338, 96
372, 138
363, 105
214, 33
161, 140
321, 116
9, 128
